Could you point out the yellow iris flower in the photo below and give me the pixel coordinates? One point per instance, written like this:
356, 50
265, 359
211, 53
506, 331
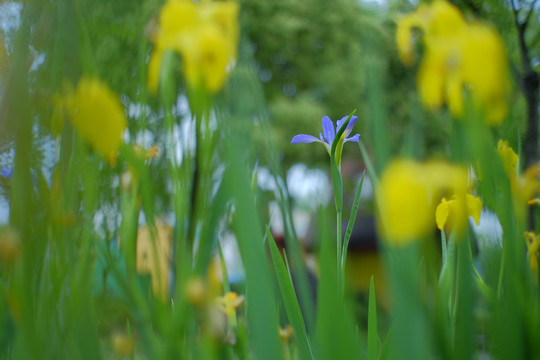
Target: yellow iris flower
453, 213
204, 34
508, 157
533, 247
406, 193
524, 185
97, 115
459, 56
228, 303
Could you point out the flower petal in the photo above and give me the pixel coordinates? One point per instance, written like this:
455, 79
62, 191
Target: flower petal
354, 138
5, 172
302, 138
328, 129
350, 125
441, 213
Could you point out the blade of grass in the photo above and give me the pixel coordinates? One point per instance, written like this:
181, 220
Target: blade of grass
289, 299
372, 338
350, 224
372, 173
335, 332
261, 314
248, 78
224, 274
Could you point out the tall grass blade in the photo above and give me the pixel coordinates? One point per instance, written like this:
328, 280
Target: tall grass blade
289, 300
372, 339
350, 224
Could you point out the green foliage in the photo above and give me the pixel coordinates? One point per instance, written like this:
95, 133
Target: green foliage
71, 284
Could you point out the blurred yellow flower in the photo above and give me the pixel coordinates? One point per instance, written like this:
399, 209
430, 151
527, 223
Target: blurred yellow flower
524, 185
204, 34
228, 303
459, 57
453, 213
533, 247
508, 157
206, 58
406, 193
97, 115
122, 344
286, 333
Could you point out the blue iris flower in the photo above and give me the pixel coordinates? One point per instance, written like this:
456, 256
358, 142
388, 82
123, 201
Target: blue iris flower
327, 136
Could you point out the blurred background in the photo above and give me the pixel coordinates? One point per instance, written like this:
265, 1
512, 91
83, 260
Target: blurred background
303, 59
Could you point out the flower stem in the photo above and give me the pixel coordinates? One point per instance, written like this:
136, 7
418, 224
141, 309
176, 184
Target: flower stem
340, 275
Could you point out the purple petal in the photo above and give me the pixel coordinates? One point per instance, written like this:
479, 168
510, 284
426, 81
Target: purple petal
301, 138
340, 122
328, 129
352, 122
350, 125
5, 172
354, 138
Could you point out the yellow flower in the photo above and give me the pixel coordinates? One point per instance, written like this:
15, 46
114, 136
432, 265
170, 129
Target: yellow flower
406, 193
122, 344
225, 16
97, 115
523, 185
206, 59
176, 20
459, 57
526, 185
228, 303
485, 69
533, 246
205, 35
454, 213
508, 157
285, 333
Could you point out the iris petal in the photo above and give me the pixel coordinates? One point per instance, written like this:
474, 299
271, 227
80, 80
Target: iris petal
349, 125
355, 138
328, 129
302, 138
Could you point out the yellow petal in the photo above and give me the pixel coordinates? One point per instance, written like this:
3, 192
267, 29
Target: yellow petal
446, 19
206, 58
485, 68
404, 37
225, 16
508, 157
404, 203
177, 17
97, 115
431, 79
474, 208
454, 94
441, 213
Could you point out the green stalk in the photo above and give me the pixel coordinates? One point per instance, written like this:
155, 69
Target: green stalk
337, 185
340, 275
350, 225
